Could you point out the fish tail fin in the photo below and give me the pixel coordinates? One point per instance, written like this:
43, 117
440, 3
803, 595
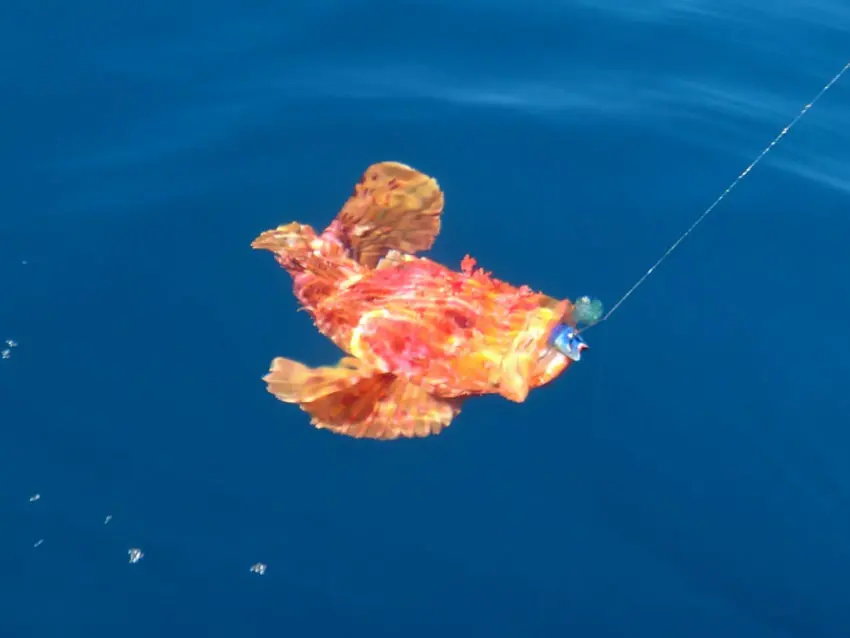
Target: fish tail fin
293, 245
316, 265
360, 402
393, 207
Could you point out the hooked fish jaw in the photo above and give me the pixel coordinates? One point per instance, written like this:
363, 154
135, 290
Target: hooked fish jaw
567, 340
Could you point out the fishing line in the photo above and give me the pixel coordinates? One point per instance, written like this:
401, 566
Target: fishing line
723, 195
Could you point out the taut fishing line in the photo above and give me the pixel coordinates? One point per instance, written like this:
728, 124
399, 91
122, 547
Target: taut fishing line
722, 196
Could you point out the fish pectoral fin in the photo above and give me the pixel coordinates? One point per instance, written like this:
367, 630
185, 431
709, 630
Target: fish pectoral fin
394, 207
352, 400
293, 382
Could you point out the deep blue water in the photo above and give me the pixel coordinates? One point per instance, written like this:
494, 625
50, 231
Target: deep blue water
689, 478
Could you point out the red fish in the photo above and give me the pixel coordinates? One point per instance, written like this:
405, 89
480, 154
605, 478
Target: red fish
421, 338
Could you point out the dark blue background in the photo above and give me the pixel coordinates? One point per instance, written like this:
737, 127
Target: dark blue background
689, 478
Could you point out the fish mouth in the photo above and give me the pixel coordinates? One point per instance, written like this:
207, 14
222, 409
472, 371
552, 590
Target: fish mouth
572, 355
567, 340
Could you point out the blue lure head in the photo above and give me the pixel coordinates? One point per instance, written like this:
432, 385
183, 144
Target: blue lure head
566, 340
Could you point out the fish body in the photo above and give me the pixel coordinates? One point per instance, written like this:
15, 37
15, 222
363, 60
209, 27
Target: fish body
420, 338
